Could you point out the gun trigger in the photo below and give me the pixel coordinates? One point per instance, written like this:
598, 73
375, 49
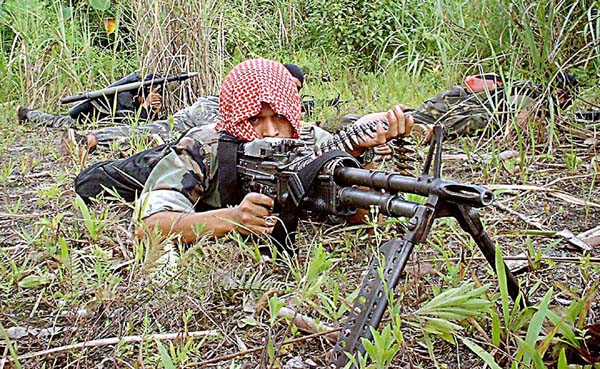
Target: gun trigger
295, 189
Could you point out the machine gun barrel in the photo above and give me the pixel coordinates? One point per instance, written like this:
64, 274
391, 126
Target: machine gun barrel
126, 87
388, 204
450, 191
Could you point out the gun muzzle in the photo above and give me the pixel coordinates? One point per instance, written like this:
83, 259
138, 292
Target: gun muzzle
454, 192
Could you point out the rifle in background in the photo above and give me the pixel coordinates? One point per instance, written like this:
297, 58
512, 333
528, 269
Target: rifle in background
118, 98
130, 86
309, 102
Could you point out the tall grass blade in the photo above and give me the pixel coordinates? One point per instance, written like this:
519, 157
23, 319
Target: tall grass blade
481, 352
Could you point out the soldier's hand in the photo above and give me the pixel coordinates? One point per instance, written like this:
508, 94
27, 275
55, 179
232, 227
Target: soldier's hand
399, 124
153, 101
253, 214
382, 152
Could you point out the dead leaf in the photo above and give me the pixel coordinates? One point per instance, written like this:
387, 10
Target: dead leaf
311, 363
263, 301
518, 266
295, 363
591, 236
17, 333
569, 236
241, 344
508, 154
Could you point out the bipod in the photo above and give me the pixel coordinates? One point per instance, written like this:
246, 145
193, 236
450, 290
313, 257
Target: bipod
372, 300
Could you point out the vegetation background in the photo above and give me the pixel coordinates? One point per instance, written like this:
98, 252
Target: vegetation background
79, 274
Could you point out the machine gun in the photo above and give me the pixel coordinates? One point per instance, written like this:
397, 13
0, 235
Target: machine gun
280, 169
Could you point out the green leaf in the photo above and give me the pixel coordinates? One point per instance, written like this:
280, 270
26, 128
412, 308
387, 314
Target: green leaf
502, 284
482, 353
535, 328
250, 321
88, 220
67, 12
496, 328
32, 281
165, 358
101, 5
275, 304
562, 359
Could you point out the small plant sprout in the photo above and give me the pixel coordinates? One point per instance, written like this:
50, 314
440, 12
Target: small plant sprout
8, 168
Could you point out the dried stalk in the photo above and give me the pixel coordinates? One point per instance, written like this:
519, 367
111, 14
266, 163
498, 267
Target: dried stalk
114, 341
257, 349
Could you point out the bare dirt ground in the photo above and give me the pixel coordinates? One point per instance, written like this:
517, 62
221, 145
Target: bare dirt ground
67, 287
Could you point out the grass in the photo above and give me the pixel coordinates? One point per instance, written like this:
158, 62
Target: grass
78, 270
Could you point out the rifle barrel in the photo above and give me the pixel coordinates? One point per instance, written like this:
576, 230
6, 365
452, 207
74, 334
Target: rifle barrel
126, 87
458, 193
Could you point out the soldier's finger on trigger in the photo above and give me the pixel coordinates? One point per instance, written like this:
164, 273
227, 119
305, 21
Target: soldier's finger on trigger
261, 199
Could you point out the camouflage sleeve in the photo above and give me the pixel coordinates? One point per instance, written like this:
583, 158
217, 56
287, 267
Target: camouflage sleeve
179, 181
203, 112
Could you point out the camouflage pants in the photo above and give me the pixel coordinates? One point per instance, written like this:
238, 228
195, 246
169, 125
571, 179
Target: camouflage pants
122, 138
49, 120
461, 112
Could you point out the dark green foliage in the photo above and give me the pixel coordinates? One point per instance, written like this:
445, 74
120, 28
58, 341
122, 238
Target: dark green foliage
357, 30
43, 40
259, 27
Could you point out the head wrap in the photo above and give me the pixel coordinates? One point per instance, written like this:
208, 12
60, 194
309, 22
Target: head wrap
296, 72
249, 84
483, 82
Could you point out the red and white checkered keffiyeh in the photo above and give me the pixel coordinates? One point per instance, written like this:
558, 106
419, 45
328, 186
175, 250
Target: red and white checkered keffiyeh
249, 84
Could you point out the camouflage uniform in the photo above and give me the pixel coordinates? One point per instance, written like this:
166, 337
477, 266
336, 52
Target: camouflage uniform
466, 113
49, 120
186, 179
103, 111
204, 111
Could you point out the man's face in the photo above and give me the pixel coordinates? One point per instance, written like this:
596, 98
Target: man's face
267, 123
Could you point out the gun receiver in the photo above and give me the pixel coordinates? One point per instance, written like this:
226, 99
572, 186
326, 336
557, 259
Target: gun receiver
127, 87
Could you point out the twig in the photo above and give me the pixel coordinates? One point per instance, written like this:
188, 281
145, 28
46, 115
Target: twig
4, 355
306, 324
115, 340
552, 192
251, 351
553, 182
560, 259
565, 234
23, 216
46, 173
521, 216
